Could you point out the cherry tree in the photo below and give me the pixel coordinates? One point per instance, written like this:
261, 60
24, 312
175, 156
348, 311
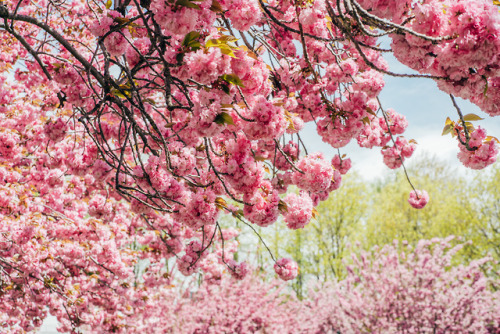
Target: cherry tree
409, 291
128, 128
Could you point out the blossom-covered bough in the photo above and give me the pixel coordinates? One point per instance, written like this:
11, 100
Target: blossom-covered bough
125, 133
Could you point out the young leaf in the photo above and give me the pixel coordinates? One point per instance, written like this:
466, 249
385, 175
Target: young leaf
282, 206
222, 44
190, 38
216, 7
228, 39
370, 111
220, 203
490, 138
233, 79
224, 118
447, 129
225, 49
212, 42
472, 117
187, 3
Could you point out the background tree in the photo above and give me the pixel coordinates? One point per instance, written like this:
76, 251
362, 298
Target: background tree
485, 199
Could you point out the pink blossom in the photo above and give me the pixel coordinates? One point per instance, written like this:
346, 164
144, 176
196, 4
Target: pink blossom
299, 210
394, 156
483, 152
418, 198
317, 173
56, 130
286, 268
238, 270
341, 164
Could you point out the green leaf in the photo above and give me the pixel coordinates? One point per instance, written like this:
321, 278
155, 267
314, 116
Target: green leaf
224, 118
190, 38
126, 93
179, 57
109, 3
187, 4
472, 117
227, 51
195, 45
222, 44
225, 89
233, 79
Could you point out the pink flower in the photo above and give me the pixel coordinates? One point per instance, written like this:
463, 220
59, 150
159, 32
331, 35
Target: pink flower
238, 270
318, 173
418, 198
340, 164
485, 153
394, 156
299, 210
264, 209
56, 130
287, 269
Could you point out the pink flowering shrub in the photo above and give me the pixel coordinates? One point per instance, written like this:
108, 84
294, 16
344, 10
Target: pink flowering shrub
246, 306
388, 291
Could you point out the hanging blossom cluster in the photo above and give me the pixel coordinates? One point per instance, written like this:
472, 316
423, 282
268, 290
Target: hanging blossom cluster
127, 132
418, 198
